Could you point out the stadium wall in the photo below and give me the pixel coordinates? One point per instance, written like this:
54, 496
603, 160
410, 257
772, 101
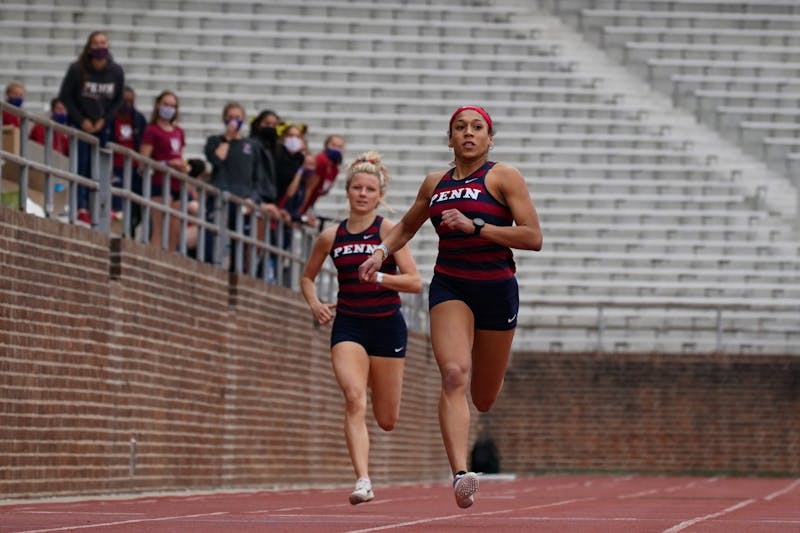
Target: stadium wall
692, 414
125, 368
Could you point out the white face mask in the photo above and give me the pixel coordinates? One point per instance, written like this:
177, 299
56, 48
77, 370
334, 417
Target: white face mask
293, 144
167, 112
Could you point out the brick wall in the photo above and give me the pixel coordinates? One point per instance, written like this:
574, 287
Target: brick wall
223, 381
654, 413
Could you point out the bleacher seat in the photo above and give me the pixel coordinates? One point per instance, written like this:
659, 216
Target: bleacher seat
656, 231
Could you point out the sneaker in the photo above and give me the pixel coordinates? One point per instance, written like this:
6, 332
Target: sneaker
363, 492
465, 486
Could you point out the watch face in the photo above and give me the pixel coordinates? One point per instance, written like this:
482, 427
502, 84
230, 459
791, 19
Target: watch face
478, 221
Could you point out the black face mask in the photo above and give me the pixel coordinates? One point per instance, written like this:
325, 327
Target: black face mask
268, 135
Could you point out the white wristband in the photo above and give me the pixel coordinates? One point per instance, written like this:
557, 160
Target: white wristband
379, 278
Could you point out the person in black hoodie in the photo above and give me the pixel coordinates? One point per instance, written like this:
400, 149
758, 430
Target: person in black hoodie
264, 133
92, 91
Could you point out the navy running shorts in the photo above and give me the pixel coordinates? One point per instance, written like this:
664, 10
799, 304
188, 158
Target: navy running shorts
382, 337
494, 304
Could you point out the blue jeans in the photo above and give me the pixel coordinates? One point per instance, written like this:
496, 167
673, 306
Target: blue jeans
85, 164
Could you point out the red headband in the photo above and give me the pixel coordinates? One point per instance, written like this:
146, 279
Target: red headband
480, 110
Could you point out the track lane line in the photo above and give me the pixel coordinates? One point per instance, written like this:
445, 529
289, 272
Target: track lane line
123, 522
693, 521
783, 491
461, 515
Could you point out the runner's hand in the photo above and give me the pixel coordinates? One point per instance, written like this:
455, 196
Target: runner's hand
369, 267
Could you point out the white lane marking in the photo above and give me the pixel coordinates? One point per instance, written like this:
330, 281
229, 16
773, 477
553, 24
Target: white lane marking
83, 513
680, 487
693, 521
461, 515
638, 494
123, 522
674, 488
783, 491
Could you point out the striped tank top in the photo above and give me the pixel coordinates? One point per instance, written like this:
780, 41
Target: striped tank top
467, 256
355, 297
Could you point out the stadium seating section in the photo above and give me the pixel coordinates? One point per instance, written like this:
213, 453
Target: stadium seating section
659, 138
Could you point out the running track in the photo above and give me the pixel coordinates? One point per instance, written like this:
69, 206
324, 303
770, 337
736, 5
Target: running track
544, 504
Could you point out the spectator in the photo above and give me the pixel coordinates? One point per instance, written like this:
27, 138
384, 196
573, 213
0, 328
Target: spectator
237, 165
289, 156
199, 168
235, 160
295, 194
263, 131
126, 129
58, 113
163, 140
15, 95
92, 92
326, 168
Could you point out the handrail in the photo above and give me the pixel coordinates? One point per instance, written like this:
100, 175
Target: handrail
47, 122
633, 301
261, 247
719, 308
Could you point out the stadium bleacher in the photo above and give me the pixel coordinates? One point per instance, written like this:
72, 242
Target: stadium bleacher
655, 239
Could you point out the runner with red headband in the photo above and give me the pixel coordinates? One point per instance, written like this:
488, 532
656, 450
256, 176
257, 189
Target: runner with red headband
480, 209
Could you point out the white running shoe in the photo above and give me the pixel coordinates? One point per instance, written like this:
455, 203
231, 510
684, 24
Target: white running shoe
465, 486
363, 492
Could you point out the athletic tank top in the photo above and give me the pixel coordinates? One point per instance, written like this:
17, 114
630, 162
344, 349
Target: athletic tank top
355, 297
463, 255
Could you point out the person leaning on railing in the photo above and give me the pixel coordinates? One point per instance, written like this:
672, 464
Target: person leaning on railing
91, 91
15, 95
126, 129
163, 140
237, 167
58, 113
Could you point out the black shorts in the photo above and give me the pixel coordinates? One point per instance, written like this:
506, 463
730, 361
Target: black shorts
382, 337
157, 191
494, 304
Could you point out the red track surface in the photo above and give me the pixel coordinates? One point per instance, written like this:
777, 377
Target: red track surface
547, 503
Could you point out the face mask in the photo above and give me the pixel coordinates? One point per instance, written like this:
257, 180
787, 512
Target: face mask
167, 112
293, 144
234, 124
334, 155
61, 118
124, 108
307, 173
16, 101
268, 135
98, 53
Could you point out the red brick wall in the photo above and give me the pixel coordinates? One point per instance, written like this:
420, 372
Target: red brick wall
224, 382
221, 380
653, 413
55, 330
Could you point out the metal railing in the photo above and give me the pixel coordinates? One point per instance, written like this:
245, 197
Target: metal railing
212, 225
711, 321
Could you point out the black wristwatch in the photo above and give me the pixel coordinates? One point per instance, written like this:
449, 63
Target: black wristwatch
479, 223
